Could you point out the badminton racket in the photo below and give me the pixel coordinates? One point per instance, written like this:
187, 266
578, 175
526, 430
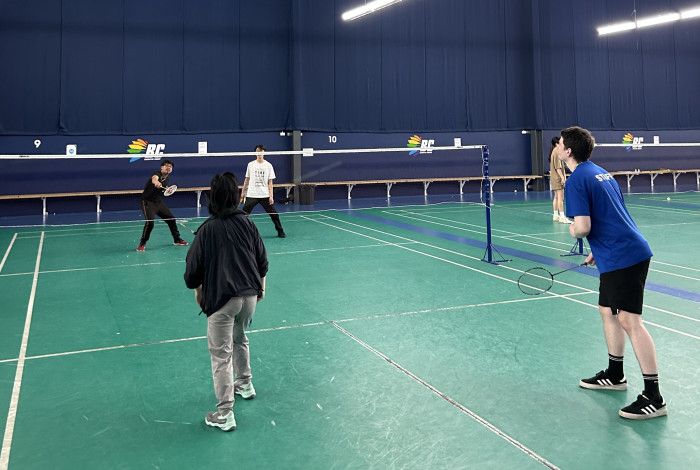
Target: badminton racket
169, 190
538, 280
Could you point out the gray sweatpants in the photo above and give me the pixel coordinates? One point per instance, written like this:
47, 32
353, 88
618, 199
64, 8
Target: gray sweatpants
228, 346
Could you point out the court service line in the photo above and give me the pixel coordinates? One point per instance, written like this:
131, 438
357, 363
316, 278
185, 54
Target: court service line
478, 259
7, 252
481, 232
16, 387
675, 265
473, 415
95, 268
568, 244
664, 210
357, 317
437, 257
494, 275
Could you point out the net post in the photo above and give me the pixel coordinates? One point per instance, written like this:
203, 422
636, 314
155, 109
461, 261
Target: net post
577, 249
486, 196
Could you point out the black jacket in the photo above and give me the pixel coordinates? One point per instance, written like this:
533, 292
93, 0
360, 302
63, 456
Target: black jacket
228, 259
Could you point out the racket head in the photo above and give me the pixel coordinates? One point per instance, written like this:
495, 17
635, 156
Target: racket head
535, 281
170, 190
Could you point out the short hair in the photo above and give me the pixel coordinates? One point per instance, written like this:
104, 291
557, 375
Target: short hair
224, 195
580, 141
167, 162
259, 147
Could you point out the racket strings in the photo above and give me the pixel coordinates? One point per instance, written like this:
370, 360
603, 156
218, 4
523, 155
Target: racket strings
535, 281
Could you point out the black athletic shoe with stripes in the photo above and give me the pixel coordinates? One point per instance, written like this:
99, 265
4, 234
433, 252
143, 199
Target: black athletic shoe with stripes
602, 381
644, 408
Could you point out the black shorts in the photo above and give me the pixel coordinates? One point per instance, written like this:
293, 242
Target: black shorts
623, 289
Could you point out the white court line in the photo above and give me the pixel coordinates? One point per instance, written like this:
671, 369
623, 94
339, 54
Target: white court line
483, 231
7, 252
513, 234
14, 399
675, 265
664, 210
511, 440
501, 266
357, 317
96, 268
437, 257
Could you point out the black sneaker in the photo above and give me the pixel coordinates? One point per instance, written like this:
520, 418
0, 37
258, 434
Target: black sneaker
281, 234
644, 408
602, 381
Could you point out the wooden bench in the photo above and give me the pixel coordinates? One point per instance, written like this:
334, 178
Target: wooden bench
98, 194
653, 174
426, 182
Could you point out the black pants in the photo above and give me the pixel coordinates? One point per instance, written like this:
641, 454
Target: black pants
150, 210
251, 202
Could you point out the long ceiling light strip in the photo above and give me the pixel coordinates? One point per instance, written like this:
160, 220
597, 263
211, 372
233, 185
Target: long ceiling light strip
366, 9
648, 21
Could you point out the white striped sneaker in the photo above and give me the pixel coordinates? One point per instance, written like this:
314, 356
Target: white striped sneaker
644, 408
247, 392
601, 381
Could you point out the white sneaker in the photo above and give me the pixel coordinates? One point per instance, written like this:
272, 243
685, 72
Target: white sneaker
555, 217
564, 220
247, 392
224, 421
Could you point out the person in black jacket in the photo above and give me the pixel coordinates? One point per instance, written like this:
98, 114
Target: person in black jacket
226, 266
152, 204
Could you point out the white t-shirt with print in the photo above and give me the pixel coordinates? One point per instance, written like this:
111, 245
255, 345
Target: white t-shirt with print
258, 175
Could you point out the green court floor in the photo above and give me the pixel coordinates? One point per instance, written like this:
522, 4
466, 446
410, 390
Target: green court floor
384, 342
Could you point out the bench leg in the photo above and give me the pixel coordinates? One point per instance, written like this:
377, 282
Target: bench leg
492, 183
43, 207
675, 178
350, 186
461, 187
289, 190
99, 209
199, 195
388, 190
426, 184
653, 176
526, 181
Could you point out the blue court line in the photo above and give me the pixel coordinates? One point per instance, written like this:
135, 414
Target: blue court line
539, 259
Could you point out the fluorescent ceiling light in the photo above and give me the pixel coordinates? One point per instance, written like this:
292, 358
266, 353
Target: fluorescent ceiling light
658, 19
366, 9
616, 28
647, 21
693, 13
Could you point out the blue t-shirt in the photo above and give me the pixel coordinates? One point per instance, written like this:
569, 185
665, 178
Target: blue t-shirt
615, 240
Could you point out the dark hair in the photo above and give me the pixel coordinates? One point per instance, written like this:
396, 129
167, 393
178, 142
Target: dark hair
167, 162
580, 141
224, 196
555, 141
259, 147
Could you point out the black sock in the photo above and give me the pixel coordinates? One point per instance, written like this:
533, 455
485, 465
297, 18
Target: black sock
615, 367
651, 386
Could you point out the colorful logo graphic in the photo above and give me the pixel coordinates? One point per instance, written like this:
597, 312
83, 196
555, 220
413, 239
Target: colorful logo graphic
141, 146
138, 146
419, 144
634, 143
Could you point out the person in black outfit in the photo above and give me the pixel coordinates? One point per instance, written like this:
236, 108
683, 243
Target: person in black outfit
152, 204
226, 266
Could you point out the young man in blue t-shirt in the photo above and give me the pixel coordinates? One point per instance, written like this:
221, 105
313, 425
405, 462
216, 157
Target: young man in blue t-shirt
594, 201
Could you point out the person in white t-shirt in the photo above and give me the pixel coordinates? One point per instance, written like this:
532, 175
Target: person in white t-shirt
257, 188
